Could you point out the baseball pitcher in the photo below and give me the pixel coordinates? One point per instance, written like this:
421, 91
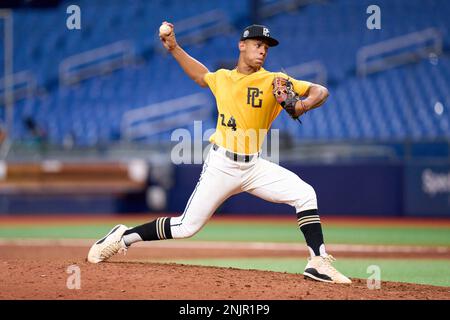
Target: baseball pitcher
248, 98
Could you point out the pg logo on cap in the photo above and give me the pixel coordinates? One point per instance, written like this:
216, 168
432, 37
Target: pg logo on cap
246, 32
266, 32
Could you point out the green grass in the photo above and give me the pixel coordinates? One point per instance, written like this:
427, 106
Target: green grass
333, 234
217, 231
61, 231
432, 272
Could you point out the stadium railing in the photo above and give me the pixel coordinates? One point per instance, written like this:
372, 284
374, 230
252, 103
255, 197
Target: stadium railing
199, 28
96, 62
164, 116
24, 85
397, 51
313, 70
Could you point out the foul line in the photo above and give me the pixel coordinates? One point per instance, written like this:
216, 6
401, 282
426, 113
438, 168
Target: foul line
228, 245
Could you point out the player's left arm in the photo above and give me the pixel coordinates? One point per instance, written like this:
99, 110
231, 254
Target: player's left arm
315, 96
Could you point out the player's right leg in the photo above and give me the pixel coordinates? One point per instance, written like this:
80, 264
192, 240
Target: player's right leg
215, 185
274, 183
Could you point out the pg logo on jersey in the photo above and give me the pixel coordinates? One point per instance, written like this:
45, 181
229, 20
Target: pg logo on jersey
252, 95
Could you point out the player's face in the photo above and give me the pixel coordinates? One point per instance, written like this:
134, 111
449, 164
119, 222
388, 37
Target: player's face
254, 52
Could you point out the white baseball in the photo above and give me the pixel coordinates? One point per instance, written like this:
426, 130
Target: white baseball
165, 30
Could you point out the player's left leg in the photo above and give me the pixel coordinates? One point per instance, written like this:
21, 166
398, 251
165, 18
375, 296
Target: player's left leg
109, 245
217, 182
274, 183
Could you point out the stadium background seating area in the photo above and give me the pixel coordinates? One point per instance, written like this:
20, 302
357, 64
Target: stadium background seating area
395, 104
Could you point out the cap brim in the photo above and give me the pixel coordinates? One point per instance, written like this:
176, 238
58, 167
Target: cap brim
270, 41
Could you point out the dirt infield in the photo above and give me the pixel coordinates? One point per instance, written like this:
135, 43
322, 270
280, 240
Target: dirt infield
40, 272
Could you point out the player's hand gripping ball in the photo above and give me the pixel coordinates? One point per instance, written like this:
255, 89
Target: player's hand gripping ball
167, 36
283, 91
165, 30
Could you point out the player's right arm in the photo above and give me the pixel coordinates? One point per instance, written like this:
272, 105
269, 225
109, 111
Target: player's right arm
193, 68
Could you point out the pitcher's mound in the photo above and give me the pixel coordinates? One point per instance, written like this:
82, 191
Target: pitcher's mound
55, 279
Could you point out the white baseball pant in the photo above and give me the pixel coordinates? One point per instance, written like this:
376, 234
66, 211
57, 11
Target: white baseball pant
223, 177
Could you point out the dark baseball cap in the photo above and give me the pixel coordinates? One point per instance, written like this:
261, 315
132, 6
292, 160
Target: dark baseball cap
256, 31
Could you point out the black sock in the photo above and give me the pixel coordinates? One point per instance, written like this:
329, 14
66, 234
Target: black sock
158, 229
309, 223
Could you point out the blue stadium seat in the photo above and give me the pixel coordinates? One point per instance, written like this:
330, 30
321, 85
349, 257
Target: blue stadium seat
393, 104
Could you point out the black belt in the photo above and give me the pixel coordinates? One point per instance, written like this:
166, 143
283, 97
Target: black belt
234, 156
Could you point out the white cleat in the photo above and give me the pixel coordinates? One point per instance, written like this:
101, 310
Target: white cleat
319, 268
109, 245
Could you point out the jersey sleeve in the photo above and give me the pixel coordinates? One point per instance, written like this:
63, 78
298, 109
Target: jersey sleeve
300, 86
210, 79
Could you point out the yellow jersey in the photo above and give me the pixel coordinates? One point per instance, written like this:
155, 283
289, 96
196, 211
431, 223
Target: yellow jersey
246, 107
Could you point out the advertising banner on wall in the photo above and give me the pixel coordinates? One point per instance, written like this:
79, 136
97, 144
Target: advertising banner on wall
427, 188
